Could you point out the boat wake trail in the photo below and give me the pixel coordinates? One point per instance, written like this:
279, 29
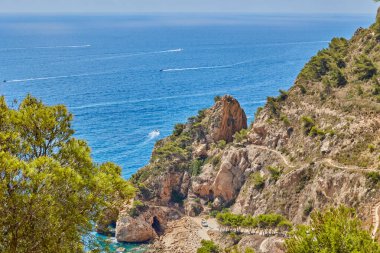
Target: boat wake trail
177, 50
206, 67
50, 47
52, 77
154, 134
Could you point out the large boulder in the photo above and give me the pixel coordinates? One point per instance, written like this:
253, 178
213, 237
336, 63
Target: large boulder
129, 229
230, 176
146, 225
226, 118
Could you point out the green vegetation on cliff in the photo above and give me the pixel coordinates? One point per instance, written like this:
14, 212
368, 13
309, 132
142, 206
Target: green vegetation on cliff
333, 230
236, 222
51, 192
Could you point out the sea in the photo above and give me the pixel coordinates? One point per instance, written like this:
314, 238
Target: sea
128, 79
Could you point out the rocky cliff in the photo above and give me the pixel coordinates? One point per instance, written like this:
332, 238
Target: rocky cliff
317, 144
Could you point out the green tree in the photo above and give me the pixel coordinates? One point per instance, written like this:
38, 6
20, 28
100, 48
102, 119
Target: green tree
208, 247
51, 192
333, 230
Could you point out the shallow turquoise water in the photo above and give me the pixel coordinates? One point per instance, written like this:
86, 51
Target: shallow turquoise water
106, 69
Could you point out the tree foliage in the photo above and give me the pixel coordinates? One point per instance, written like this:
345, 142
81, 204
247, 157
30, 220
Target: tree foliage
266, 222
208, 247
51, 192
333, 230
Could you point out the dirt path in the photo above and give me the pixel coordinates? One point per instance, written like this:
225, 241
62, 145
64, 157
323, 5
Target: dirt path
284, 159
202, 231
375, 219
330, 162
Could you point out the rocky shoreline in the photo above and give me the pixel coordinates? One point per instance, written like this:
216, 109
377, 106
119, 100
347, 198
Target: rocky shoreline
313, 146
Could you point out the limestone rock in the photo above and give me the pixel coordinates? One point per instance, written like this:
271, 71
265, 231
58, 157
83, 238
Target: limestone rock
146, 226
129, 229
227, 118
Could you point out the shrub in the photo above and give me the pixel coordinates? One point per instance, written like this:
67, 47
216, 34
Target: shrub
308, 208
285, 119
333, 230
258, 180
196, 167
373, 177
359, 90
315, 131
214, 213
337, 78
217, 98
240, 136
171, 148
317, 67
273, 105
178, 128
177, 197
208, 247
364, 68
137, 208
221, 144
307, 124
274, 172
302, 88
283, 95
371, 147
258, 111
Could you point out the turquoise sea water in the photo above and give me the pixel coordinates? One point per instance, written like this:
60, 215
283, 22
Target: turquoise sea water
129, 79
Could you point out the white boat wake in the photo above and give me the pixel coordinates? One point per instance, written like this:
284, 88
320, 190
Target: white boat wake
205, 67
176, 50
52, 77
47, 47
154, 134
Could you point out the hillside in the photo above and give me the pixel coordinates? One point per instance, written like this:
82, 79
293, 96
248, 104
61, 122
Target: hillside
315, 145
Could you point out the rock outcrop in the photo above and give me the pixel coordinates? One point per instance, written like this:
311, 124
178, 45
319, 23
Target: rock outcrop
313, 146
225, 119
144, 226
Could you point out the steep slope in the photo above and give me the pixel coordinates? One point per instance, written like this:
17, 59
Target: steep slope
317, 144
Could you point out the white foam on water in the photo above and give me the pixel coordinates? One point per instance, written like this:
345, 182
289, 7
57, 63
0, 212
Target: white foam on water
205, 67
52, 77
176, 50
154, 134
47, 47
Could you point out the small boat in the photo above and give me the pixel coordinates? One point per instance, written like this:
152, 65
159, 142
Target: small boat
161, 70
4, 81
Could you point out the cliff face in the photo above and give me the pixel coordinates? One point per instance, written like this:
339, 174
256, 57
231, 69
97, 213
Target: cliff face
317, 144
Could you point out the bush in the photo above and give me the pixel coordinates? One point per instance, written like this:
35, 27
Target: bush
274, 172
273, 105
208, 247
285, 119
217, 98
258, 111
196, 167
337, 78
364, 68
302, 88
171, 148
283, 95
258, 180
240, 136
333, 230
178, 128
177, 197
373, 177
307, 124
137, 208
221, 144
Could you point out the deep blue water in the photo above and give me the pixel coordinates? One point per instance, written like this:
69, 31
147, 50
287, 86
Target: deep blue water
106, 69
